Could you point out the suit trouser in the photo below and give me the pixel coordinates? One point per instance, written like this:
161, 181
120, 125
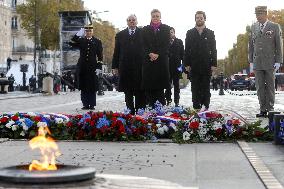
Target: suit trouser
140, 100
265, 86
168, 92
88, 98
155, 95
200, 88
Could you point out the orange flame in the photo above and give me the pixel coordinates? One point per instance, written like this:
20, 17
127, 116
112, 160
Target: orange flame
48, 148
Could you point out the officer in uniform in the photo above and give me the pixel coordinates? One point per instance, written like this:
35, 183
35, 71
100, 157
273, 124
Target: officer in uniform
266, 54
89, 65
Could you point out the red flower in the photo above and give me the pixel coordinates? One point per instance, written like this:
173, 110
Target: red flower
213, 115
236, 122
143, 130
92, 123
115, 114
194, 125
88, 120
218, 131
37, 118
78, 116
3, 120
69, 124
121, 128
100, 114
258, 133
175, 115
15, 118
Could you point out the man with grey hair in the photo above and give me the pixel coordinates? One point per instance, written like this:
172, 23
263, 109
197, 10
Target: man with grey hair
127, 61
266, 54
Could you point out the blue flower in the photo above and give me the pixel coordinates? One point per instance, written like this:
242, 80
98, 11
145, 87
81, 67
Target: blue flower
140, 111
28, 122
102, 122
122, 120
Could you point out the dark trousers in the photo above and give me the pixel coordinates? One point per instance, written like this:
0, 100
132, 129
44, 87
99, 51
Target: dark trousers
155, 95
200, 88
88, 98
140, 100
168, 92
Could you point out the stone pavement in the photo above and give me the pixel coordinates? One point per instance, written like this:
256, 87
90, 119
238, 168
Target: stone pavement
208, 166
204, 166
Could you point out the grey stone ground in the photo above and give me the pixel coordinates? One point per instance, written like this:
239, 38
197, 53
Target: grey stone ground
204, 166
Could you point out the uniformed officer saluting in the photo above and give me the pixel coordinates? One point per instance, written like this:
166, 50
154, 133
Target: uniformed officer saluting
266, 54
88, 66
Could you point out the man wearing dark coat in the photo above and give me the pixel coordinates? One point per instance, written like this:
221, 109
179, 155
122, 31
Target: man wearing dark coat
176, 52
127, 61
200, 59
155, 70
89, 63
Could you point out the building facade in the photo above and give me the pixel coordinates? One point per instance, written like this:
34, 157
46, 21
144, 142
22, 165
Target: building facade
5, 33
14, 42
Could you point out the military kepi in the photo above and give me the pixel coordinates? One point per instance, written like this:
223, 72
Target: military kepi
261, 10
88, 27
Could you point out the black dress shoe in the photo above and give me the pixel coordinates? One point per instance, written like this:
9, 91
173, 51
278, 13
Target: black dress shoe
85, 108
91, 108
262, 114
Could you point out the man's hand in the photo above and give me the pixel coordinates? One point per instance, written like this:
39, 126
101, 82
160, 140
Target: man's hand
187, 68
153, 57
276, 66
115, 72
81, 33
213, 69
98, 71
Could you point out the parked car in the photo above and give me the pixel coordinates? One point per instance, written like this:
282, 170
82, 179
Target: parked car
252, 84
240, 82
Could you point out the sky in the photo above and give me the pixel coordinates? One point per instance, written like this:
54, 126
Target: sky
227, 18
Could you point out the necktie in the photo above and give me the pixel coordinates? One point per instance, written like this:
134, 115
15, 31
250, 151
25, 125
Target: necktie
132, 32
261, 28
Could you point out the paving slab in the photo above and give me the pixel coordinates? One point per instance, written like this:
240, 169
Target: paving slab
214, 165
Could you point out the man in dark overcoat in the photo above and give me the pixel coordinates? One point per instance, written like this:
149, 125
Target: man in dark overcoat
89, 63
176, 52
155, 70
127, 61
200, 59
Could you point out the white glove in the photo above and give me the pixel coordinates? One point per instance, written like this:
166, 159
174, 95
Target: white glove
81, 33
276, 66
98, 71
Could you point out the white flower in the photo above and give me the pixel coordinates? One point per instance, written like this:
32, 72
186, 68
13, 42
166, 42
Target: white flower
46, 116
9, 124
58, 120
41, 124
31, 114
202, 131
159, 125
22, 120
217, 125
25, 128
22, 133
168, 113
161, 131
186, 136
166, 129
14, 127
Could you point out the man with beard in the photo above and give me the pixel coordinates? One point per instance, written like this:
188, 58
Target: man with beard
176, 52
201, 60
127, 61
